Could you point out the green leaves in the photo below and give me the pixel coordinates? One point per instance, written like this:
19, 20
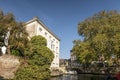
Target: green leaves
18, 38
31, 72
38, 40
39, 61
101, 34
100, 41
18, 35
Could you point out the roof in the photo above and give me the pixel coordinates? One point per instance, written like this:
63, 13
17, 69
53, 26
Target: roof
40, 22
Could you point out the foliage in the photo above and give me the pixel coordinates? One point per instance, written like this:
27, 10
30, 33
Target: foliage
40, 55
39, 61
84, 52
18, 38
31, 72
101, 34
6, 20
12, 32
15, 52
35, 41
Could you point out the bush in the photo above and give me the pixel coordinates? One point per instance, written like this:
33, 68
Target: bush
32, 73
15, 52
39, 59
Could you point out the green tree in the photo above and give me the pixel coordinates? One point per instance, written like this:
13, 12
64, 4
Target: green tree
6, 20
116, 46
39, 59
101, 34
83, 51
18, 39
13, 32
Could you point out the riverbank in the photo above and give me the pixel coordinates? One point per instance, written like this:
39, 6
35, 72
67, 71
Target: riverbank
56, 72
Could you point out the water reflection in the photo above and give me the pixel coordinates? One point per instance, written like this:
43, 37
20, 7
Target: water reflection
80, 77
65, 77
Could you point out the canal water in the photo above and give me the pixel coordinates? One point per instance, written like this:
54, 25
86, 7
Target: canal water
80, 77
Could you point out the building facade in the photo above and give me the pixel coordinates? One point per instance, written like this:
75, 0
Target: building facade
73, 60
36, 27
64, 63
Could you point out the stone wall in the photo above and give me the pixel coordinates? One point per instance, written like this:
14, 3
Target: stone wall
8, 66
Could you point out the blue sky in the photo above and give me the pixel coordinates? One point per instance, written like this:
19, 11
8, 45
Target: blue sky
61, 16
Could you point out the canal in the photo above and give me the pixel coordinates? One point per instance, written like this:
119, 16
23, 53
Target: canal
81, 77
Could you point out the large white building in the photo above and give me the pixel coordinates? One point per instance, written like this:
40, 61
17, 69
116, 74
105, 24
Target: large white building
36, 27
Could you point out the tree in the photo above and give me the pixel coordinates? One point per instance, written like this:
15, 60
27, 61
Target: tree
84, 52
101, 34
18, 39
12, 33
39, 59
5, 22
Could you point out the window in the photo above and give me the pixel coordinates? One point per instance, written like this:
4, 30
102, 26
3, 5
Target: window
46, 33
52, 47
56, 56
40, 29
56, 49
50, 37
51, 44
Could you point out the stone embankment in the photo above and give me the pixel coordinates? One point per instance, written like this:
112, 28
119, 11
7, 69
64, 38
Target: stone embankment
56, 72
8, 66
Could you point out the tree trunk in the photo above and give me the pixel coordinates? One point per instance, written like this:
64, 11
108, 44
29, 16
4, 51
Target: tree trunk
8, 50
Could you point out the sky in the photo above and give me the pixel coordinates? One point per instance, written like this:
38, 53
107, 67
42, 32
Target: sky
60, 16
